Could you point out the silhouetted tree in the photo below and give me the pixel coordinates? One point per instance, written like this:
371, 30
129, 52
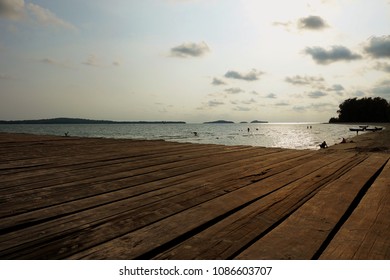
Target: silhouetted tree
366, 109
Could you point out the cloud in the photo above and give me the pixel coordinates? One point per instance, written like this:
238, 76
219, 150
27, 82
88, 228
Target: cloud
46, 17
382, 88
51, 61
190, 50
271, 96
250, 101
17, 9
359, 93
336, 53
253, 75
312, 23
323, 106
319, 107
299, 108
337, 88
12, 9
285, 25
233, 90
215, 103
316, 94
379, 47
304, 80
383, 66
282, 104
217, 82
241, 109
92, 60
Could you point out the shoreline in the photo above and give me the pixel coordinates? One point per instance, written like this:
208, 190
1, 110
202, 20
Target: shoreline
378, 141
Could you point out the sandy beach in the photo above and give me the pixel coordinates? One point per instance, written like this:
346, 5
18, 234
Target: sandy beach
378, 141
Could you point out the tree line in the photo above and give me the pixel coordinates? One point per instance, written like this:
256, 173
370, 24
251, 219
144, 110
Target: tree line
366, 109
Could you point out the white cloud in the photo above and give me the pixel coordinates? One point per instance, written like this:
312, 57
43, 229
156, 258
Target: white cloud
304, 80
271, 96
241, 109
54, 62
217, 82
12, 9
334, 54
316, 94
215, 103
190, 50
233, 90
312, 23
92, 60
253, 75
46, 17
383, 66
18, 9
379, 47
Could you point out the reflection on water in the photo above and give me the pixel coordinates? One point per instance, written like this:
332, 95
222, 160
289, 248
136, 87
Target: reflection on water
284, 135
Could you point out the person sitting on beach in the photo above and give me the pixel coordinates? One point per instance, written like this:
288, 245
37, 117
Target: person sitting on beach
323, 145
343, 141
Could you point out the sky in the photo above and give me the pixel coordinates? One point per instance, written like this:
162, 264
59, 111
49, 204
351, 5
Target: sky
191, 60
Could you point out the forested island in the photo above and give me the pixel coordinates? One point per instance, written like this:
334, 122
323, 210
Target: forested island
367, 109
227, 122
85, 121
218, 122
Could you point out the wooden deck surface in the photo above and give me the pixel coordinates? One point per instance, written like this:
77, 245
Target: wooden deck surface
86, 198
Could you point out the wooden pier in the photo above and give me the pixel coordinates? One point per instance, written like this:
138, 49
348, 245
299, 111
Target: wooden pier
88, 198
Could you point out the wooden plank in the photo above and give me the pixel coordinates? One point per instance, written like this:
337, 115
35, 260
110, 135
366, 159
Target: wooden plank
224, 239
139, 214
84, 156
302, 234
89, 166
366, 234
43, 197
218, 180
140, 242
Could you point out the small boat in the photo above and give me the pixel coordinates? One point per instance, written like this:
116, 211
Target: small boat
374, 128
356, 129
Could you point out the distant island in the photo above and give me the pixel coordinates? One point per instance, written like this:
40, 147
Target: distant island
85, 121
219, 121
243, 122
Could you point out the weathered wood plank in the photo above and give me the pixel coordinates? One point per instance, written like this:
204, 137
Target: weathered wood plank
135, 244
302, 234
184, 183
33, 199
144, 209
91, 166
366, 234
229, 236
65, 197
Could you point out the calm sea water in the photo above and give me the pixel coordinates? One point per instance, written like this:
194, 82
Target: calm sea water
284, 135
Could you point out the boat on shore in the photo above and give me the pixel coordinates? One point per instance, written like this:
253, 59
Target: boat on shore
374, 128
356, 129
365, 128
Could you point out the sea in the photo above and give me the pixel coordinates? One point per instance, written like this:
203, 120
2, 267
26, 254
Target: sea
284, 135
